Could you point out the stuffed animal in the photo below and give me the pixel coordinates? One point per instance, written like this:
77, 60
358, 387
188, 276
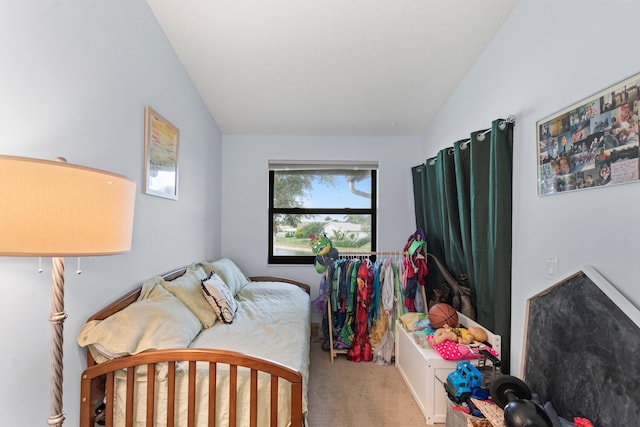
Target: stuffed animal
478, 333
459, 335
446, 333
324, 250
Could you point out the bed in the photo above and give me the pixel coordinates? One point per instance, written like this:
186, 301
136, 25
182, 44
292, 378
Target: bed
157, 356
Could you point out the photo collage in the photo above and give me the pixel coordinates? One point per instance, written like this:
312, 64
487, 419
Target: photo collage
592, 144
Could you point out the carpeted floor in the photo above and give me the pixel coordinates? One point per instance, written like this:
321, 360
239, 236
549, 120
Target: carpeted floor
350, 394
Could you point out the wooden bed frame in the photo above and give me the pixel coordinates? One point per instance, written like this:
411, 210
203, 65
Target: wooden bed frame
99, 379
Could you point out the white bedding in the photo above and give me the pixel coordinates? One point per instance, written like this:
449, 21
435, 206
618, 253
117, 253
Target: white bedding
272, 322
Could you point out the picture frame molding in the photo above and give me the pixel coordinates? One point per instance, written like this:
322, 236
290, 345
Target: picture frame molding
161, 149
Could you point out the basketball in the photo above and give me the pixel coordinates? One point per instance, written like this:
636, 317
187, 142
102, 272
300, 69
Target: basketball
443, 314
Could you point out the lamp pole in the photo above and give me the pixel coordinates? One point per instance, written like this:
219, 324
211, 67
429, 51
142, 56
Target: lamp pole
57, 318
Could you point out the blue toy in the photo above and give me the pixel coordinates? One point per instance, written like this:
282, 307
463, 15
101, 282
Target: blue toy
462, 382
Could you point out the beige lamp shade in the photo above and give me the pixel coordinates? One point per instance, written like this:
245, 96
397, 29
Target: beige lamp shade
50, 208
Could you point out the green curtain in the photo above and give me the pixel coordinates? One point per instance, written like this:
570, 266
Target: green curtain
462, 200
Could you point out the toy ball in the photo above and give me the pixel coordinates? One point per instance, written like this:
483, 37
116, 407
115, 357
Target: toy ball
441, 314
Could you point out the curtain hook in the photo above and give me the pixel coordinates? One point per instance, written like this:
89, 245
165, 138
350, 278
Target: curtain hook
483, 135
511, 119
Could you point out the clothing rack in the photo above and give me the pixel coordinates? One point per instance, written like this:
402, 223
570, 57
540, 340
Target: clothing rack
396, 253
346, 255
368, 254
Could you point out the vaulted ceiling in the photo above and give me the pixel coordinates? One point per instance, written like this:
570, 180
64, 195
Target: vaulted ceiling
328, 67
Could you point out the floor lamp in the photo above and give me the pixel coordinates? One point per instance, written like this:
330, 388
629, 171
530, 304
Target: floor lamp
55, 209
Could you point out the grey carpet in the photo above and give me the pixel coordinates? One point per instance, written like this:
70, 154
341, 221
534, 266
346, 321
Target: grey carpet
350, 394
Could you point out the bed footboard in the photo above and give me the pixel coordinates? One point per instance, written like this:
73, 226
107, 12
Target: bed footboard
215, 359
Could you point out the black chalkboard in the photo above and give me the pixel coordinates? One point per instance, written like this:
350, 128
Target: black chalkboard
583, 354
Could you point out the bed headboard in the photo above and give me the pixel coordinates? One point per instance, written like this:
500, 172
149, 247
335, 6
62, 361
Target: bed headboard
582, 350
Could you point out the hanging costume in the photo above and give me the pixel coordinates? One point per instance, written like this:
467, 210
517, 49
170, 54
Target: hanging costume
348, 305
326, 255
384, 349
415, 273
361, 348
363, 297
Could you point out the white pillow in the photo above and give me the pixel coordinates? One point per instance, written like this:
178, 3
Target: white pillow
231, 275
159, 321
217, 293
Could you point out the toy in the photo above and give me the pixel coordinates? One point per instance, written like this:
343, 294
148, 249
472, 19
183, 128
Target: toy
445, 333
325, 252
461, 382
420, 325
441, 314
459, 335
478, 333
489, 373
514, 396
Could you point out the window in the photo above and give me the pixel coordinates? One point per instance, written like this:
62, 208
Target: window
335, 199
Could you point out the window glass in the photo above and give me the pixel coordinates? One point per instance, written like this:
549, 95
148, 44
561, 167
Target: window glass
339, 203
322, 189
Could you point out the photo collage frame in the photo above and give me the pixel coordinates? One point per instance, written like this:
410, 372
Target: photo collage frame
591, 144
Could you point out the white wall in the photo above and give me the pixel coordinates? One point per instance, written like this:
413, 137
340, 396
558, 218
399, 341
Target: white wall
74, 81
549, 55
245, 193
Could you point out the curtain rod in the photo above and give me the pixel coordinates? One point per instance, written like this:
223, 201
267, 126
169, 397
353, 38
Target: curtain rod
511, 119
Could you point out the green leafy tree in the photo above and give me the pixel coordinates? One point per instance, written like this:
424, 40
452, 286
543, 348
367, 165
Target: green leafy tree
290, 190
310, 228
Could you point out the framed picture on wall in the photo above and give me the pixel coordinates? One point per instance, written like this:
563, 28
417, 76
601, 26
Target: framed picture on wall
161, 140
592, 143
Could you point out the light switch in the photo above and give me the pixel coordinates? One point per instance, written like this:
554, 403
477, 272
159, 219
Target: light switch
552, 265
